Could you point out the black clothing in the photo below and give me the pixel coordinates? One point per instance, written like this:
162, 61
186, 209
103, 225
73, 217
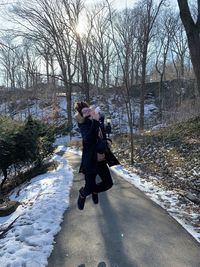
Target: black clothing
106, 179
81, 199
95, 198
108, 129
111, 159
90, 180
90, 131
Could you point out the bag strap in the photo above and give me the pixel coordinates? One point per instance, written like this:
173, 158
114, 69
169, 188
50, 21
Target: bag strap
100, 133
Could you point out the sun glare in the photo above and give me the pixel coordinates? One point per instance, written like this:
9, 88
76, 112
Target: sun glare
81, 27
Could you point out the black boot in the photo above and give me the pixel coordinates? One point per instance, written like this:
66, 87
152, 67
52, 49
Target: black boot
81, 199
95, 198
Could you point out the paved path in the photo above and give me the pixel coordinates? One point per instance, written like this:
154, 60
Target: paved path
125, 229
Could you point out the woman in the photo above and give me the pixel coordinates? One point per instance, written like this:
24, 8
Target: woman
96, 153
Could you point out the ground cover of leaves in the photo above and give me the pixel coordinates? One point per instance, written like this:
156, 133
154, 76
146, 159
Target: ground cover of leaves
171, 154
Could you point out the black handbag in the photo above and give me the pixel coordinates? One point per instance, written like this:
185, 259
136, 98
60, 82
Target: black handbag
111, 159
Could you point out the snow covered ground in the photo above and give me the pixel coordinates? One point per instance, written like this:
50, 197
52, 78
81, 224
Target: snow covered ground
168, 200
45, 198
113, 107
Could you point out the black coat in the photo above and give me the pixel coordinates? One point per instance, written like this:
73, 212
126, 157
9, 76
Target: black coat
90, 130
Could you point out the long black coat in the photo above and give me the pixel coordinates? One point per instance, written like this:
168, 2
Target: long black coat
90, 130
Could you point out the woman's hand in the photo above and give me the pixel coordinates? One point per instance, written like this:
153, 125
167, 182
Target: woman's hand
109, 143
94, 115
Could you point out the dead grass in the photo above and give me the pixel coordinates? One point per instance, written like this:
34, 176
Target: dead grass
171, 153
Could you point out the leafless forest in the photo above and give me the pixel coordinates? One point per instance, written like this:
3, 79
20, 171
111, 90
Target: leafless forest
66, 46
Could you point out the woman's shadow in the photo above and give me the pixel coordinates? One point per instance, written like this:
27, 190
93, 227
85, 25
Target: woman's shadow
101, 264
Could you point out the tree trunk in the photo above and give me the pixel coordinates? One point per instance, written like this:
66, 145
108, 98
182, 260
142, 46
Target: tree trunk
85, 77
84, 70
47, 68
194, 46
68, 88
142, 93
192, 30
5, 174
103, 84
160, 96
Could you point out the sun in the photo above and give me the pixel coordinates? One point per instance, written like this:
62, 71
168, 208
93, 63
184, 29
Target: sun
81, 27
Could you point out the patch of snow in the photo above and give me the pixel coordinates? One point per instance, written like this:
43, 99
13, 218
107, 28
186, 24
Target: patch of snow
168, 200
43, 202
159, 126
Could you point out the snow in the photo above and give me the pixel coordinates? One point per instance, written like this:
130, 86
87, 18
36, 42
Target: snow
167, 199
45, 198
38, 218
44, 109
159, 126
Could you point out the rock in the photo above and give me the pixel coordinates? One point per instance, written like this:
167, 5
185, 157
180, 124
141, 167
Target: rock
8, 207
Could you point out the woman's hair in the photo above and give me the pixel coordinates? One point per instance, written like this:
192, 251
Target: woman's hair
80, 105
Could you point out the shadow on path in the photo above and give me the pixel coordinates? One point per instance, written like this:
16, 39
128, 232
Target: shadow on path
112, 234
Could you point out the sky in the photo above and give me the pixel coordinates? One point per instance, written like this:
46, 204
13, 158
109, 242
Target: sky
44, 200
120, 4
116, 3
4, 24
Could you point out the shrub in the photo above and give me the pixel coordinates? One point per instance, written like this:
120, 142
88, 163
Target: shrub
22, 144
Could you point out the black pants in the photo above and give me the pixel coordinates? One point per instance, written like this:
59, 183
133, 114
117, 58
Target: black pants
90, 180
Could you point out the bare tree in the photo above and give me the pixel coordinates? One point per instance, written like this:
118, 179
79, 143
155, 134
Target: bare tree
9, 60
179, 48
166, 31
147, 13
29, 61
47, 54
101, 45
192, 28
54, 23
85, 60
123, 39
